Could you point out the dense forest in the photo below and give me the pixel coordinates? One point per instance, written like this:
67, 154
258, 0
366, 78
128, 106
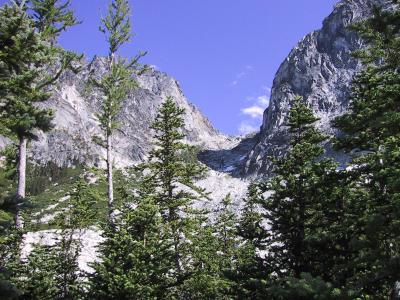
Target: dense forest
312, 230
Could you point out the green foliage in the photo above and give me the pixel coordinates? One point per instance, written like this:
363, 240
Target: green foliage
9, 263
294, 196
115, 86
371, 133
117, 25
116, 83
136, 255
212, 250
51, 271
23, 60
296, 219
250, 274
41, 272
304, 288
52, 17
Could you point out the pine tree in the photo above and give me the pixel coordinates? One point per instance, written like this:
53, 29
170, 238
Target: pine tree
226, 231
9, 237
136, 256
79, 216
213, 253
116, 83
25, 57
174, 177
206, 279
298, 203
371, 134
40, 269
250, 273
52, 271
52, 17
292, 192
148, 250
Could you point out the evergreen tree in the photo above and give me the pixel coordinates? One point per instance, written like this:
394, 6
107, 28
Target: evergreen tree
299, 204
213, 253
116, 83
136, 257
149, 251
250, 273
79, 216
174, 178
40, 271
293, 194
52, 17
371, 132
52, 271
9, 238
25, 57
226, 232
205, 279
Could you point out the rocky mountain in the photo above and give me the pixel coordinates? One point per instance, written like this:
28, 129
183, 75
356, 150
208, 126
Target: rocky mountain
320, 68
76, 123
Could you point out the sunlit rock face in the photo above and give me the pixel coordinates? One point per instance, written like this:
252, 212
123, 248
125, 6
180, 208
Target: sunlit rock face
320, 68
76, 122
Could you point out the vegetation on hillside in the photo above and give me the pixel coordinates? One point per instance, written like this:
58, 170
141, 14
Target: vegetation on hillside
310, 231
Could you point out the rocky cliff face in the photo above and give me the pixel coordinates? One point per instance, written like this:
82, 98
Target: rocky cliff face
320, 69
76, 123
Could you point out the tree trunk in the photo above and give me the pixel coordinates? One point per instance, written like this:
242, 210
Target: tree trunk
21, 181
110, 179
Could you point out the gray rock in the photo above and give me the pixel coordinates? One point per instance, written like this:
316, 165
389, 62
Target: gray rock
320, 69
76, 123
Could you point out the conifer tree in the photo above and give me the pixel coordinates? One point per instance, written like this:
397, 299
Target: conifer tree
79, 216
52, 17
148, 253
296, 210
26, 55
226, 231
174, 178
52, 271
206, 279
213, 253
116, 83
250, 273
136, 256
292, 194
371, 132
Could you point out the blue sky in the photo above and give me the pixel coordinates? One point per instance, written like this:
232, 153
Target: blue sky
224, 53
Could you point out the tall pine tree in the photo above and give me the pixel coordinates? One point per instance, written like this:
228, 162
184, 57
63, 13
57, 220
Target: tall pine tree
26, 55
116, 83
136, 257
296, 208
372, 135
176, 192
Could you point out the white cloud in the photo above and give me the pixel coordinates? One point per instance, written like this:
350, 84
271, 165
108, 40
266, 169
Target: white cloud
246, 127
263, 101
254, 111
240, 75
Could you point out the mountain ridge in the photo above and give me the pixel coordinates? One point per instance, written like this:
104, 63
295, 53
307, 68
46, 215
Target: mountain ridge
320, 68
